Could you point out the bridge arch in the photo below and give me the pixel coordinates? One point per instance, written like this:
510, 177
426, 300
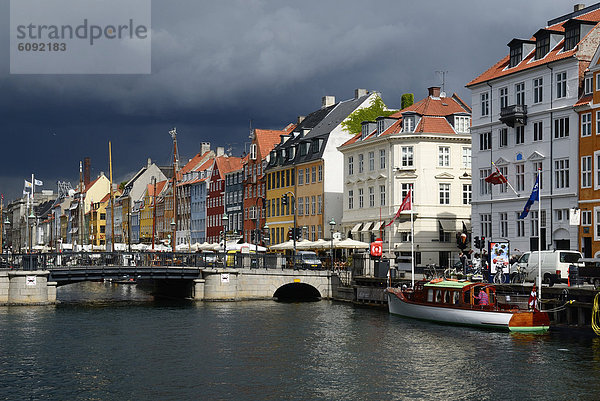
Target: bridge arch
297, 292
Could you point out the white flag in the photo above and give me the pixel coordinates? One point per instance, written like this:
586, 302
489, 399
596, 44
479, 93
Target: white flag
39, 183
27, 184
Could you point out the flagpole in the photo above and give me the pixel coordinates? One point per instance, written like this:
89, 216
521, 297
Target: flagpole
412, 239
539, 235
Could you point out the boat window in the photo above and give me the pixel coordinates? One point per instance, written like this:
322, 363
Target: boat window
438, 296
491, 297
456, 297
429, 295
447, 297
467, 297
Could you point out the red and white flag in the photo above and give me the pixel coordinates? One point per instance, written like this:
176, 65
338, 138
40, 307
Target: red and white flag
406, 205
496, 177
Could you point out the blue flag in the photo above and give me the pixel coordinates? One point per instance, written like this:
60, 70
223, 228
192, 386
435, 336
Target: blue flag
535, 194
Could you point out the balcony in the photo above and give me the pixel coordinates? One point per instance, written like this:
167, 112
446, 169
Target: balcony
514, 114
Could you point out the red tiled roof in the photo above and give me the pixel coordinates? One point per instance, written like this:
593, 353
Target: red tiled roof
500, 68
434, 125
192, 164
159, 187
584, 100
267, 139
430, 106
226, 164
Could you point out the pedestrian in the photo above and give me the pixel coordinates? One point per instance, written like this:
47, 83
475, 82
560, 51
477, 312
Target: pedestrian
463, 261
482, 297
532, 303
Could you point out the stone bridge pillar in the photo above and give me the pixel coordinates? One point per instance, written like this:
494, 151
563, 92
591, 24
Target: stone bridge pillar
18, 287
221, 285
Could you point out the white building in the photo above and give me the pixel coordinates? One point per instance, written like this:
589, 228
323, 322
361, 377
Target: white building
523, 120
426, 146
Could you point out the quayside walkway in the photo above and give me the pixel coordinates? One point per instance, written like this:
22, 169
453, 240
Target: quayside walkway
33, 278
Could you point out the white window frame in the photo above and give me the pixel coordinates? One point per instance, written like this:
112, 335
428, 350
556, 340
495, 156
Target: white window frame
586, 124
361, 198
561, 84
586, 171
561, 173
382, 158
586, 218
466, 157
520, 177
382, 195
443, 156
503, 224
520, 93
503, 94
519, 134
485, 141
598, 121
587, 86
538, 134
371, 196
538, 90
503, 137
485, 104
596, 168
407, 156
444, 193
596, 223
484, 187
350, 199
467, 194
350, 168
520, 224
561, 127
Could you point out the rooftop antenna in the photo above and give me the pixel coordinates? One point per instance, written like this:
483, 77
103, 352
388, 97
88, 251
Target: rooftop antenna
251, 131
443, 74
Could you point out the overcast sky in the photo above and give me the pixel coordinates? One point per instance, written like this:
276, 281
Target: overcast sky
216, 65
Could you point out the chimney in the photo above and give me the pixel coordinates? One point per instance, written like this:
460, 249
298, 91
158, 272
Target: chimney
327, 101
434, 91
360, 93
300, 119
149, 162
578, 7
220, 151
204, 147
86, 171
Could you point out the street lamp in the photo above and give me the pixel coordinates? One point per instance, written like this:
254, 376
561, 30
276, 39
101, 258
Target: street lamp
31, 218
225, 220
173, 224
293, 196
332, 225
4, 235
129, 231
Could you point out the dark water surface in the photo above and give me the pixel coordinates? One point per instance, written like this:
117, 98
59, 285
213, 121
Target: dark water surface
114, 342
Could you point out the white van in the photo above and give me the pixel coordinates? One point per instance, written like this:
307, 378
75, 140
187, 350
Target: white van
555, 265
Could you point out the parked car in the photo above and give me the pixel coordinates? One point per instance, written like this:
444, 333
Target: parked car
555, 265
309, 260
590, 271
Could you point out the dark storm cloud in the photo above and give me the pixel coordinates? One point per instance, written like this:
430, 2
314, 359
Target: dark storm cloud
218, 64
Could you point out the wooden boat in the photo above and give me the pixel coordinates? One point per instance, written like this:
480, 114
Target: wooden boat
456, 302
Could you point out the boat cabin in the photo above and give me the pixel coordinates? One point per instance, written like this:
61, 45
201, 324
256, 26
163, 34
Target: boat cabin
453, 293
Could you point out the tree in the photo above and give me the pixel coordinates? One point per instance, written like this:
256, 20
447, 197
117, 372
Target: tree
407, 100
353, 123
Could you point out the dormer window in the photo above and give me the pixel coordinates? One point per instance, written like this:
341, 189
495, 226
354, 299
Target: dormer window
571, 36
409, 123
365, 131
380, 126
291, 153
315, 146
253, 151
516, 55
461, 123
587, 86
542, 47
303, 149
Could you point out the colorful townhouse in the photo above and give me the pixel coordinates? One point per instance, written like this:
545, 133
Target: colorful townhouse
524, 122
215, 203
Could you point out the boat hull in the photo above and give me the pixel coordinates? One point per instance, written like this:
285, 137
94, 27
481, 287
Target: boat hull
493, 319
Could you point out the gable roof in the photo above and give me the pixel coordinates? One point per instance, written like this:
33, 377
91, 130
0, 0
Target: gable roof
436, 106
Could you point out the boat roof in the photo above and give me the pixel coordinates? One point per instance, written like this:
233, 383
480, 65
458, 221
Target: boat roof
449, 284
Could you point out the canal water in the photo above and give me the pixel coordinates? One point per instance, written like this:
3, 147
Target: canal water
114, 342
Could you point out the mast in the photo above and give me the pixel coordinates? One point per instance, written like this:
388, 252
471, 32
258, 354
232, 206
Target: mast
539, 237
112, 201
173, 133
81, 208
153, 211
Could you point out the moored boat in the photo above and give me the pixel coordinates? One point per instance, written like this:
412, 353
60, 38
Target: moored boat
458, 302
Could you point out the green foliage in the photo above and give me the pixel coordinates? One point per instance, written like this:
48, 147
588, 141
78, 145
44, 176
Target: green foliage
122, 186
377, 109
407, 100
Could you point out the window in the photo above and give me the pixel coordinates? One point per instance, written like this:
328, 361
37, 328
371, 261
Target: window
313, 174
361, 163
503, 224
519, 134
597, 230
371, 161
538, 90
467, 194
371, 196
485, 141
520, 93
516, 54
350, 199
561, 85
537, 131
503, 97
504, 172
586, 124
350, 168
307, 175
319, 173
586, 217
409, 123
561, 173
382, 158
597, 169
586, 171
461, 124
444, 156
587, 86
382, 195
520, 225
534, 223
561, 127
484, 187
486, 224
313, 204
405, 189
407, 156
306, 205
466, 157
598, 120
485, 104
542, 47
380, 126
444, 194
361, 202
537, 166
571, 37
443, 236
503, 137
562, 215
520, 175
301, 208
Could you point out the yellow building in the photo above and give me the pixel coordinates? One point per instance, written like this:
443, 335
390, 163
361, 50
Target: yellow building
280, 216
147, 213
309, 189
98, 221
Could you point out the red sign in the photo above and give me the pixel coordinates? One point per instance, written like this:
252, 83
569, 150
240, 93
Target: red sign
376, 248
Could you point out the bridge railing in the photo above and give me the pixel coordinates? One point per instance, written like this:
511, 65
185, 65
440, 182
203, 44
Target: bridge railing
49, 261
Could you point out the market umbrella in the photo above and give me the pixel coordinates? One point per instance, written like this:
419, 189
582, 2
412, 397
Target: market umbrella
349, 243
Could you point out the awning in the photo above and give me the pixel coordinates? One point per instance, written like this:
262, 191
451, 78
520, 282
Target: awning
367, 227
449, 225
404, 226
377, 226
356, 228
467, 225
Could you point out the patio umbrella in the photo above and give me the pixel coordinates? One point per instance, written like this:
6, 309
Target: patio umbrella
349, 243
